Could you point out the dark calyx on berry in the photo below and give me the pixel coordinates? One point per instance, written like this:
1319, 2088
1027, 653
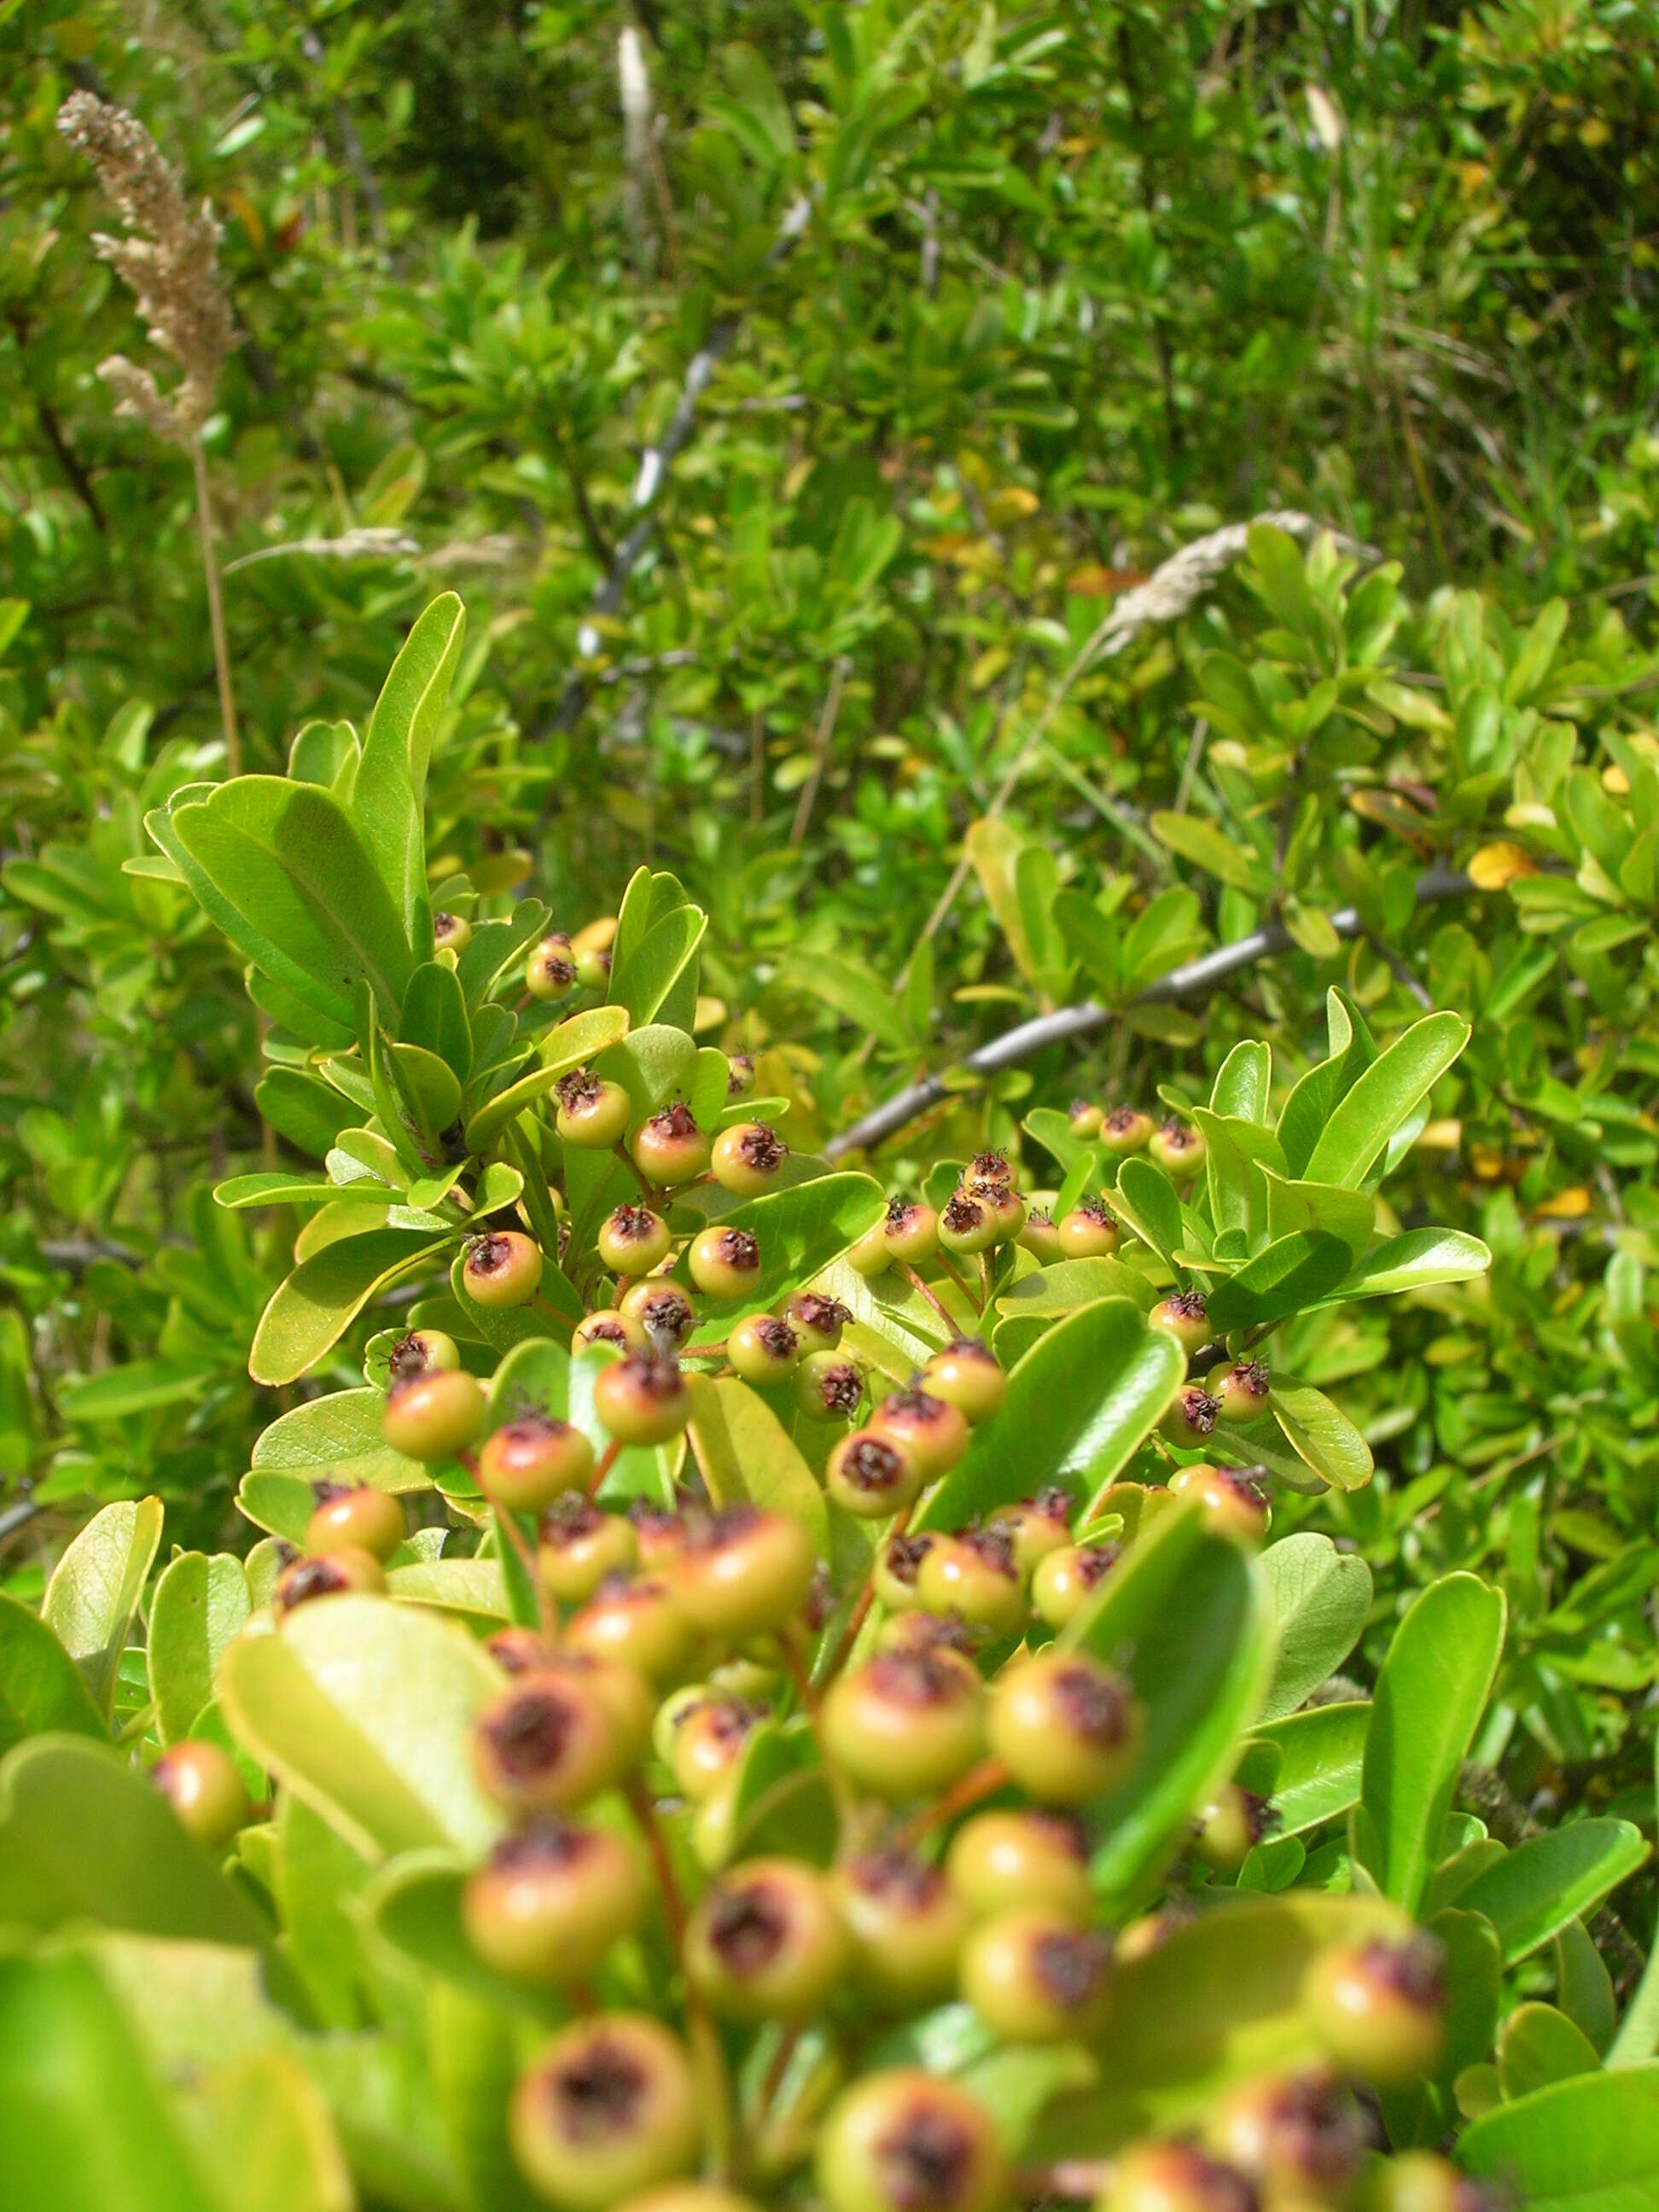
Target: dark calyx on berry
598, 2092
842, 1388
962, 1213
1187, 1305
517, 1651
925, 2160
762, 1149
904, 1555
775, 1336
815, 1311
407, 1357
1414, 1969
919, 1678
314, 1578
1198, 1408
869, 1464
989, 1171
545, 1840
487, 1254
666, 1316
578, 1089
748, 1926
739, 1248
740, 1075
1070, 1964
603, 1331
529, 1733
1096, 1706
896, 1874
675, 1120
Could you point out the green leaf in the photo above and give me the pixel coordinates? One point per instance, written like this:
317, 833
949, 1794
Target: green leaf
1081, 1403
1587, 2145
366, 1709
1052, 1131
434, 1016
389, 792
1147, 1200
1322, 1435
1383, 1097
654, 956
200, 1605
1545, 1882
745, 1453
475, 1587
83, 1836
1541, 2046
1243, 1083
539, 1375
1318, 1598
1210, 848
1182, 1614
262, 2128
1066, 1284
1289, 1276
1219, 2001
85, 2124
415, 1905
1415, 1261
800, 1231
1320, 1758
93, 1597
338, 1439
136, 1388
41, 1688
313, 1308
1323, 1206
305, 903
1430, 1695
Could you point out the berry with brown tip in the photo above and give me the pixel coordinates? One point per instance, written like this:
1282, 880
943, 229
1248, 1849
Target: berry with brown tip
451, 932
517, 1651
746, 1571
973, 1577
340, 1574
1244, 1392
1191, 1417
1178, 1148
1083, 1119
998, 1861
1230, 1825
591, 1114
609, 2107
708, 1739
632, 1240
528, 1461
766, 1942
725, 1263
828, 1388
1175, 2177
1065, 1581
579, 1545
1033, 1977
897, 1569
546, 1743
1294, 2135
642, 1400
434, 1416
663, 1535
422, 1352
549, 972
1380, 2007
639, 1623
1040, 1238
748, 1158
739, 1075
762, 1349
362, 1520
1125, 1129
968, 1224
551, 1899
1036, 1526
902, 2141
593, 967
932, 1430
1422, 2181
1089, 1231
1066, 1728
1008, 1212
610, 1325
502, 1268
906, 1924
909, 1230
662, 1310
905, 1724
1232, 1505
669, 1148
872, 1476
967, 1375
1185, 1316
204, 1788
817, 1320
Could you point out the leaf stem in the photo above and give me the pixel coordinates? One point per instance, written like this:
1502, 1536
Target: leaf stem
913, 1279
978, 1782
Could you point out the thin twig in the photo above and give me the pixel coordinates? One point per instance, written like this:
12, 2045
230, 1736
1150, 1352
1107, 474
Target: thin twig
821, 742
1195, 979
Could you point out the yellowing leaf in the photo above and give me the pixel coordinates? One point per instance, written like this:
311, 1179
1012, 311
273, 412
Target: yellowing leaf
1495, 866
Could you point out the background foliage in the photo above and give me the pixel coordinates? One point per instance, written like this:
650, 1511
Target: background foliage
1073, 287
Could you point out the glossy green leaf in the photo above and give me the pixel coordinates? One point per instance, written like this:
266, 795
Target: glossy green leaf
93, 1597
1415, 1261
434, 1016
581, 1038
41, 1688
1587, 2145
1551, 1879
200, 1604
415, 1905
1322, 1436
1080, 1403
364, 1709
337, 1438
1294, 1273
391, 785
1182, 1614
83, 1836
314, 1306
1321, 1757
1065, 1285
1318, 1598
262, 2128
1430, 1694
1146, 1200
1324, 1206
1539, 2046
539, 1375
1385, 1095
745, 1453
86, 2122
1243, 1083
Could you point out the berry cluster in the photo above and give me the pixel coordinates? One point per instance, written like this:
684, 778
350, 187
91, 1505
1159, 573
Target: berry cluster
967, 1738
